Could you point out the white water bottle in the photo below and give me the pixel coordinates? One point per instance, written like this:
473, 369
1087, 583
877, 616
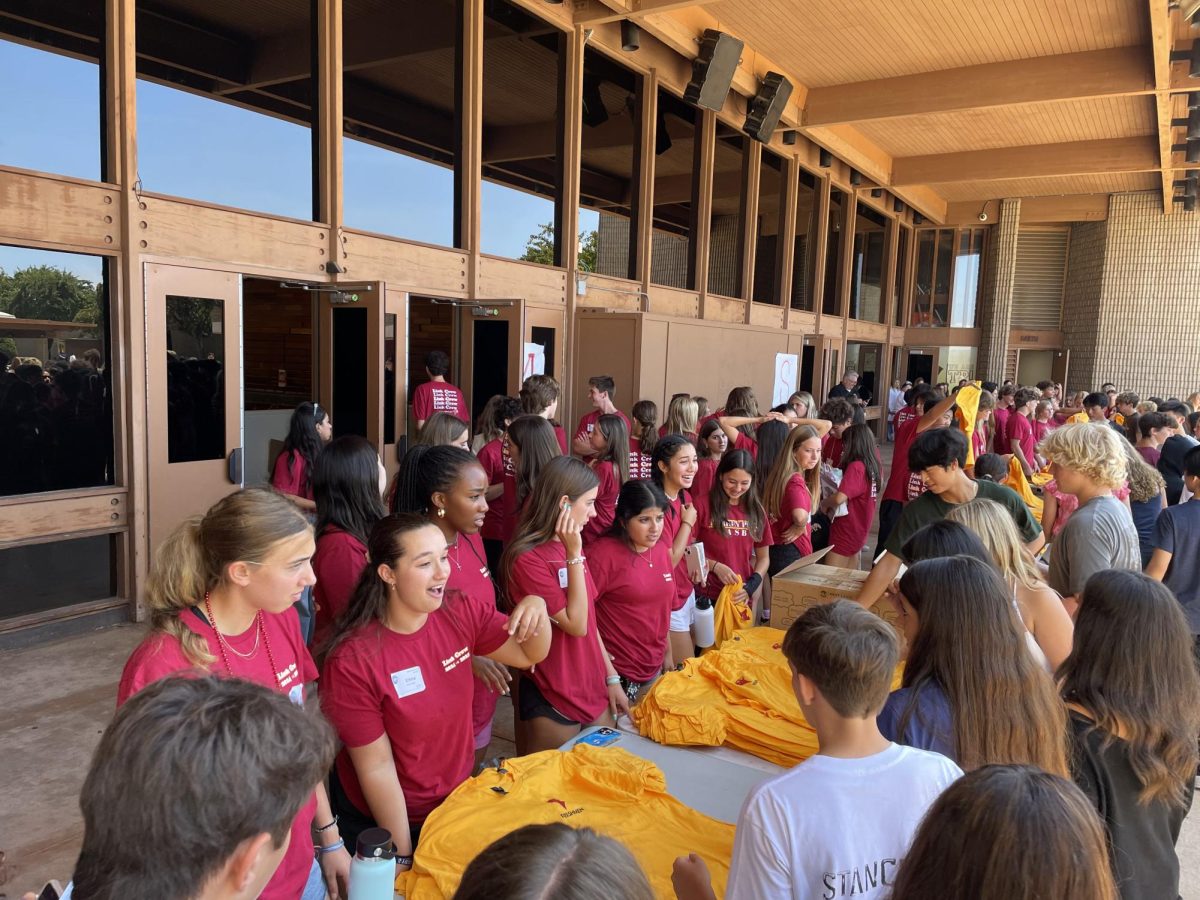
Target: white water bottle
704, 628
373, 869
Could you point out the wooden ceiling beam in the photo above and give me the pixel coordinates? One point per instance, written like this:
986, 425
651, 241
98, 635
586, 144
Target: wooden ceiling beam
1035, 210
1136, 154
1117, 72
1160, 42
595, 12
513, 142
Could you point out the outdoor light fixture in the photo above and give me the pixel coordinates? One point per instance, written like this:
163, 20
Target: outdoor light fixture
789, 138
631, 36
897, 205
918, 219
855, 177
876, 192
1193, 125
825, 158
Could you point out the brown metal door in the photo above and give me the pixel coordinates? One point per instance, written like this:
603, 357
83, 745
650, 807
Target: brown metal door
193, 392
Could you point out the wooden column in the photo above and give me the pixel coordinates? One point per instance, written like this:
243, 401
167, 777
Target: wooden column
891, 290
646, 159
570, 161
787, 237
328, 156
820, 250
751, 178
846, 266
702, 201
469, 137
127, 299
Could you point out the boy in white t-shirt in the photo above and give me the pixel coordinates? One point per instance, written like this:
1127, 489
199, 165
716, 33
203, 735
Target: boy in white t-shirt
838, 824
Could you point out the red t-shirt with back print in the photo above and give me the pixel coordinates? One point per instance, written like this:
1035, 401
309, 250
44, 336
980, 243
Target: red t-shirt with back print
438, 396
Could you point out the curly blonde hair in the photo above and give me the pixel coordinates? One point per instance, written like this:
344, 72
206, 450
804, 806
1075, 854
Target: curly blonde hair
1091, 449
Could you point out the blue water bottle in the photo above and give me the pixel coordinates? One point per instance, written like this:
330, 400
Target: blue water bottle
373, 869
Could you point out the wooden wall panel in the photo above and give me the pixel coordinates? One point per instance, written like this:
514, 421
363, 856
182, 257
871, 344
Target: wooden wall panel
652, 366
405, 266
604, 345
669, 301
765, 314
504, 278
105, 509
724, 309
184, 229
709, 359
621, 302
51, 211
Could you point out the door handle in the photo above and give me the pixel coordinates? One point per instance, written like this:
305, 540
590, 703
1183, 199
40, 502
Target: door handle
235, 466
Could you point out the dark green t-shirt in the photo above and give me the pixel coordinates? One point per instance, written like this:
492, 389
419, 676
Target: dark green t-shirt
929, 508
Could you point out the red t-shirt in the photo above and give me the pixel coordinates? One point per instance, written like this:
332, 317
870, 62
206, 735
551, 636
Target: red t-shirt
640, 464
1021, 431
1041, 429
499, 468
795, 496
339, 560
979, 442
747, 443
288, 475
571, 677
831, 449
606, 500
633, 609
1000, 415
897, 485
735, 548
672, 519
469, 576
438, 396
561, 434
904, 414
1150, 455
416, 689
848, 533
588, 424
158, 656
706, 474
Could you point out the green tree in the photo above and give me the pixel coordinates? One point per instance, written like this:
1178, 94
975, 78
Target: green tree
46, 292
540, 248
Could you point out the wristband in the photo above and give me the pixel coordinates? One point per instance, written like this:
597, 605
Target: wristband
577, 561
337, 845
406, 861
752, 583
610, 680
324, 828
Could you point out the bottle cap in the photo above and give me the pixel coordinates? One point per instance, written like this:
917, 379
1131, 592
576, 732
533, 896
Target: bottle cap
375, 843
703, 603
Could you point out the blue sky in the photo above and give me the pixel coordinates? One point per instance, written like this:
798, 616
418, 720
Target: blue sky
190, 146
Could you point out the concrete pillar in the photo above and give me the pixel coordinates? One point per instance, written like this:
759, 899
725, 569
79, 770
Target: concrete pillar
995, 311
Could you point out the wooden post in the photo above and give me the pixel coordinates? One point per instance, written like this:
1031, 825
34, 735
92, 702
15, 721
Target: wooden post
787, 236
820, 249
469, 138
751, 179
646, 160
328, 156
702, 202
570, 161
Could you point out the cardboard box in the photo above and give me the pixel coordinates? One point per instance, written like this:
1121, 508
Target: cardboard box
807, 582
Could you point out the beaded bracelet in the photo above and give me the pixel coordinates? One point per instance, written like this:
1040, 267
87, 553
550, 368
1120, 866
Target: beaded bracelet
325, 828
337, 845
576, 561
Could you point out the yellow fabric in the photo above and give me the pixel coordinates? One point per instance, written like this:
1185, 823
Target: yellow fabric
967, 410
1077, 419
606, 789
1017, 481
729, 616
1118, 418
739, 696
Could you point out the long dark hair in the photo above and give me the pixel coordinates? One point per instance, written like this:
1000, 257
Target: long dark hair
942, 538
368, 603
970, 644
563, 476
345, 485
537, 445
616, 451
636, 496
664, 451
1008, 833
1132, 668
858, 445
302, 439
702, 438
426, 471
750, 505
771, 437
645, 425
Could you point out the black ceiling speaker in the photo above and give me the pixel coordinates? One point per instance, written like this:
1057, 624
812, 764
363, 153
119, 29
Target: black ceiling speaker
789, 138
824, 158
631, 36
897, 205
767, 106
918, 219
712, 70
877, 192
855, 177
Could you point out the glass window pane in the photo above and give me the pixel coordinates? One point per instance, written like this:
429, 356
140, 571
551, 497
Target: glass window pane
923, 289
725, 245
225, 101
52, 100
901, 275
966, 277
37, 578
867, 360
55, 383
771, 200
941, 285
832, 303
866, 274
389, 379
675, 191
957, 363
195, 379
522, 168
608, 178
400, 105
804, 249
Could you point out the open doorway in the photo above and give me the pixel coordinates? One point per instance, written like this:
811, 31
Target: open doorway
920, 365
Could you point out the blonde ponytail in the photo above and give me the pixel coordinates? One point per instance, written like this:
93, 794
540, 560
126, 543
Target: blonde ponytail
176, 583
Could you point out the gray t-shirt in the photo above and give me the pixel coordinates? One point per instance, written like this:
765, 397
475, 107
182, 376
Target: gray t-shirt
1099, 535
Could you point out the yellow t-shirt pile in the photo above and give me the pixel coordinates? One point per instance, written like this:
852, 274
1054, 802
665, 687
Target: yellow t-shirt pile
606, 789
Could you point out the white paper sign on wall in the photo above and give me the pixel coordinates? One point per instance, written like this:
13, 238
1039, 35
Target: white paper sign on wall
534, 361
787, 367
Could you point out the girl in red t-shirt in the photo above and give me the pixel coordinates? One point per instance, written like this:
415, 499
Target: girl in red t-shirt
531, 445
221, 597
713, 444
576, 685
643, 437
675, 473
499, 468
632, 568
449, 486
792, 488
397, 681
348, 482
859, 490
610, 446
732, 525
309, 430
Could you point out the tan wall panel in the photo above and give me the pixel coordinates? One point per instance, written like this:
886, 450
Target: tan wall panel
942, 337
725, 309
47, 210
673, 302
92, 512
620, 302
710, 359
653, 365
405, 266
503, 278
184, 229
604, 345
763, 314
866, 331
804, 322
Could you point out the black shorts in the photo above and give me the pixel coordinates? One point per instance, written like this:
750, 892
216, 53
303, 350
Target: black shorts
352, 821
532, 705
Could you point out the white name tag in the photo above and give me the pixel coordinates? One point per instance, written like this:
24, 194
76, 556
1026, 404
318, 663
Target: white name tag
296, 695
408, 682
562, 577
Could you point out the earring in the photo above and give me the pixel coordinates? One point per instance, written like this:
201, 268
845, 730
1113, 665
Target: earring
441, 512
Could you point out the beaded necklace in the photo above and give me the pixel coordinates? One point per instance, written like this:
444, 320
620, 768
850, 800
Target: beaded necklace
223, 644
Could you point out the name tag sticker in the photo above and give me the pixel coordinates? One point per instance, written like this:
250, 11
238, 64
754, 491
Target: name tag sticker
562, 577
296, 695
408, 682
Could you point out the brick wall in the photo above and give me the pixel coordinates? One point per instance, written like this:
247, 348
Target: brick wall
1132, 310
995, 303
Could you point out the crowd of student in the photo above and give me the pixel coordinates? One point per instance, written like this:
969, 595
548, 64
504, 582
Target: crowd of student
1069, 695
